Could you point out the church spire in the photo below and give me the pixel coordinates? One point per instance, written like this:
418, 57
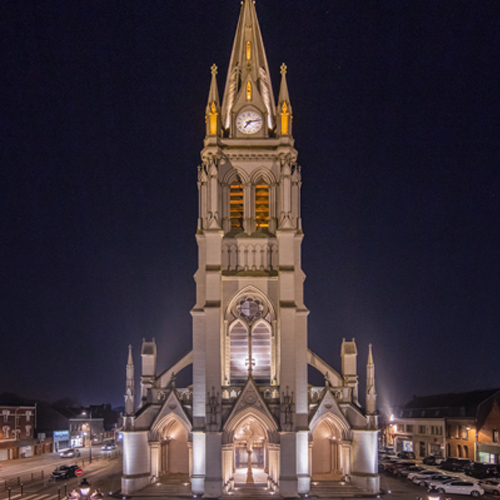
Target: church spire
248, 66
371, 396
284, 110
129, 386
212, 112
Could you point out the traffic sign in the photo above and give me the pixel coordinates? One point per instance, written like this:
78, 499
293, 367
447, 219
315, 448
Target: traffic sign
78, 472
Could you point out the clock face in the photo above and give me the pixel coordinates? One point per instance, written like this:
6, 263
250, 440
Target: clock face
249, 122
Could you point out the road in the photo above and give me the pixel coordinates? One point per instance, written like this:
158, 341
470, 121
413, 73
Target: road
104, 473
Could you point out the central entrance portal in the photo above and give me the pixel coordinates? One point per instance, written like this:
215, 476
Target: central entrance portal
250, 453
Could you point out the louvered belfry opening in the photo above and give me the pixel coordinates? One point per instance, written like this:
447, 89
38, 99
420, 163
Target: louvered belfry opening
261, 204
236, 203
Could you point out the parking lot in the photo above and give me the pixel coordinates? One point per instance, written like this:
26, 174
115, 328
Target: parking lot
401, 488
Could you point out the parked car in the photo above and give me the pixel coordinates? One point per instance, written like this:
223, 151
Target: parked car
481, 470
422, 473
397, 467
437, 477
408, 455
108, 446
455, 464
383, 465
432, 460
65, 472
491, 486
437, 483
69, 453
409, 470
461, 488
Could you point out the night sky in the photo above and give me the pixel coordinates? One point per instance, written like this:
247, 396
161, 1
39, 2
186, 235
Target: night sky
397, 123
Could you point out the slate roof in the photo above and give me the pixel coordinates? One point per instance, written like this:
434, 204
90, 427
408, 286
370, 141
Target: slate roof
456, 404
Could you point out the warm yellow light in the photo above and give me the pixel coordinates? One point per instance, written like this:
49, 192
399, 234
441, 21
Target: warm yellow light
249, 50
284, 119
249, 91
213, 119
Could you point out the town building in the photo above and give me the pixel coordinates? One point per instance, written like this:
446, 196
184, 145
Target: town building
250, 415
462, 425
18, 433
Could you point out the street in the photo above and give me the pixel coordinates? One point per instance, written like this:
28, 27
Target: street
30, 478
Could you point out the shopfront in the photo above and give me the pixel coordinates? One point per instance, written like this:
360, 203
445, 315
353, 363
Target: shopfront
61, 440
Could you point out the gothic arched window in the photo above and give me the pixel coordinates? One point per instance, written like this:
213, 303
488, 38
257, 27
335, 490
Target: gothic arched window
261, 204
236, 203
261, 352
238, 353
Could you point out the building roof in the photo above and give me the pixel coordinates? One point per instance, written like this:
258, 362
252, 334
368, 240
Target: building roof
456, 404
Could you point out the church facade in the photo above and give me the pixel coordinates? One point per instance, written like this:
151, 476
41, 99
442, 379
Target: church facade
250, 415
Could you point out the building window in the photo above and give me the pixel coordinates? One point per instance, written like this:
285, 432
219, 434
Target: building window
448, 450
495, 435
422, 449
6, 414
261, 352
6, 430
409, 428
439, 431
464, 432
238, 349
459, 451
28, 416
466, 451
236, 203
421, 429
261, 204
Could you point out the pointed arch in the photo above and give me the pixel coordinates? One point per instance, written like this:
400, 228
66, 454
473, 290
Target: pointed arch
262, 351
238, 352
267, 423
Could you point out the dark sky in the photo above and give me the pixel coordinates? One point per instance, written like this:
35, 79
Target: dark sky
397, 123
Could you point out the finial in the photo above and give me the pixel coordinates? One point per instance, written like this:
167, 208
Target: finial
213, 69
283, 69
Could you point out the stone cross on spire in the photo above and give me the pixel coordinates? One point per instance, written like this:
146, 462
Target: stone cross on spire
214, 68
283, 69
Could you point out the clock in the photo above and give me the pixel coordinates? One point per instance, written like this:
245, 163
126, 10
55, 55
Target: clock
249, 122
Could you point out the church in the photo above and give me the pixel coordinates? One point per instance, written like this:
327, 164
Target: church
250, 416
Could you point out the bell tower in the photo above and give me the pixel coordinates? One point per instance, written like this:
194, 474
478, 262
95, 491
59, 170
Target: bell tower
249, 321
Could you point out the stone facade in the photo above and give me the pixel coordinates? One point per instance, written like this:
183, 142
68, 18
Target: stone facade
250, 412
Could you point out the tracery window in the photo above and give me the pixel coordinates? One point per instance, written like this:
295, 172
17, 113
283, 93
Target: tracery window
250, 342
236, 212
238, 353
262, 204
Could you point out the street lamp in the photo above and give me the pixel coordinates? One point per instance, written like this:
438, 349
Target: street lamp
90, 435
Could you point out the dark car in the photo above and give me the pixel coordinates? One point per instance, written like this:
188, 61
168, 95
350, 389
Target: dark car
455, 464
432, 460
65, 472
481, 470
408, 455
108, 446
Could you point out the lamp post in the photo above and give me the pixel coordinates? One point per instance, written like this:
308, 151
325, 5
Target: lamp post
90, 435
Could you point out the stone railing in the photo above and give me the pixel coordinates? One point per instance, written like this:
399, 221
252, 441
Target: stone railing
250, 255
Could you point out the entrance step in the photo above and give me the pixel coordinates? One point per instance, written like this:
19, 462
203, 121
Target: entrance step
335, 489
250, 491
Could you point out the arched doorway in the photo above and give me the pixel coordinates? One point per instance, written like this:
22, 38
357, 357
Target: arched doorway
250, 452
174, 452
326, 452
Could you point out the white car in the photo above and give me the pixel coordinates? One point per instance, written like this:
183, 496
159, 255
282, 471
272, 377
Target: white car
461, 488
427, 480
422, 473
490, 486
436, 483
